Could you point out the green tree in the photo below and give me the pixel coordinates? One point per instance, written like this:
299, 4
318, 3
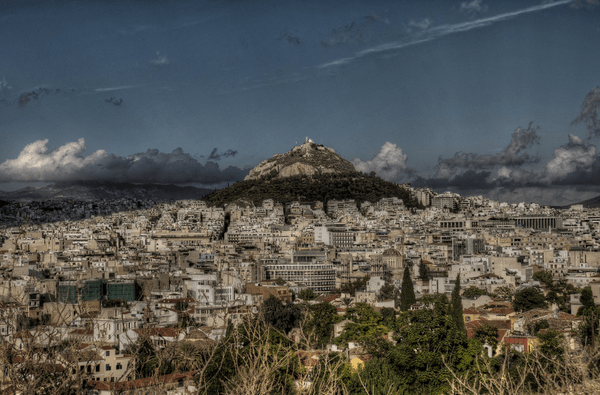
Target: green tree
473, 292
504, 293
389, 292
429, 343
280, 316
588, 329
456, 306
307, 294
378, 376
388, 317
539, 325
366, 328
322, 317
487, 333
560, 293
423, 271
529, 299
551, 344
407, 296
544, 276
280, 281
353, 286
587, 301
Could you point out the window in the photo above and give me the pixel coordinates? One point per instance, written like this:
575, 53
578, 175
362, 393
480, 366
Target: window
97, 368
108, 353
108, 367
119, 366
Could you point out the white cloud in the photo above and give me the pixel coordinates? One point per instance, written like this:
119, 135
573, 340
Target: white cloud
389, 163
575, 155
424, 24
66, 163
160, 60
472, 8
3, 84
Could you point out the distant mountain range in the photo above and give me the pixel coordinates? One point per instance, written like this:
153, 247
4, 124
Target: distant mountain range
590, 203
90, 191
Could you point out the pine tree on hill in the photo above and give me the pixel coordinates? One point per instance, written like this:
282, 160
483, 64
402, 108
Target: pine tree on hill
456, 306
407, 296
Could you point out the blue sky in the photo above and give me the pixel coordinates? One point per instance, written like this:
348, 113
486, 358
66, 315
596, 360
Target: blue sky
473, 96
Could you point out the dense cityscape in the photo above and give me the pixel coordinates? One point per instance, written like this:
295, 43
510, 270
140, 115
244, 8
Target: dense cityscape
133, 295
283, 197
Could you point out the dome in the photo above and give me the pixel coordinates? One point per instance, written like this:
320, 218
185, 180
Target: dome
391, 252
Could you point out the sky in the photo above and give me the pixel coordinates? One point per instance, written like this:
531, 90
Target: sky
480, 97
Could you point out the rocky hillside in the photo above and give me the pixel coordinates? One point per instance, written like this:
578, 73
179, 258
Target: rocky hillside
307, 159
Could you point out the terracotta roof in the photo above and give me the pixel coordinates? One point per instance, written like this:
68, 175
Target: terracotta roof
501, 310
23, 335
331, 298
82, 331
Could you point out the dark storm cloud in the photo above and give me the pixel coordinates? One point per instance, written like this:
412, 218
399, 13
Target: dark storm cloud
34, 95
468, 180
355, 32
290, 38
589, 113
512, 155
65, 163
216, 156
115, 101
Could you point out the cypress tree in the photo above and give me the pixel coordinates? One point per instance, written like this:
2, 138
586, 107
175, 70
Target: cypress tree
456, 306
407, 296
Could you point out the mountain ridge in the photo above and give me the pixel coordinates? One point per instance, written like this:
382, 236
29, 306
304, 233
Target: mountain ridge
92, 190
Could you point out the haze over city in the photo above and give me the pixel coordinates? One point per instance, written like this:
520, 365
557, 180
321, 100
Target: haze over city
497, 98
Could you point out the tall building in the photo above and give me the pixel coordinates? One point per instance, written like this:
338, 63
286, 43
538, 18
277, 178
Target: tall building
308, 267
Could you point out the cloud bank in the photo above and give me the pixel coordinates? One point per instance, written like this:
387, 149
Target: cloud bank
66, 163
512, 155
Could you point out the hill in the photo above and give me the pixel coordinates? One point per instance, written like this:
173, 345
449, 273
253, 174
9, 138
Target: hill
316, 187
309, 159
589, 203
